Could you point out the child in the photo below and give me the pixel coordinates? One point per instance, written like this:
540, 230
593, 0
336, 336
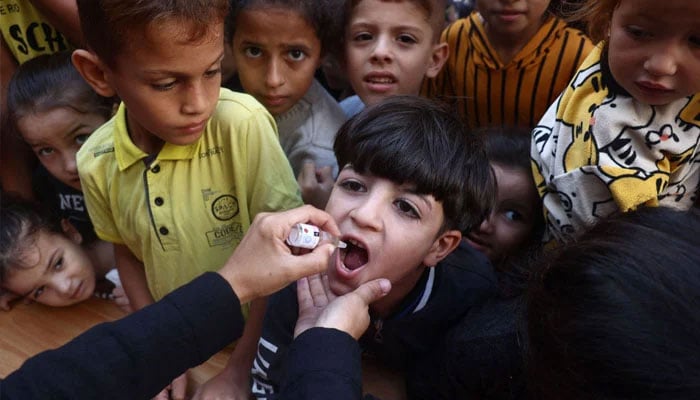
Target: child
54, 111
390, 47
614, 315
626, 132
41, 259
508, 62
411, 182
278, 46
176, 177
481, 357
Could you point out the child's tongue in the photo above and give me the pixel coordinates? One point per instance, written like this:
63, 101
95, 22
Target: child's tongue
355, 257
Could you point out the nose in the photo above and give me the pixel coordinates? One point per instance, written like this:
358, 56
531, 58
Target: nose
367, 215
274, 77
62, 286
196, 99
486, 226
662, 62
381, 52
69, 163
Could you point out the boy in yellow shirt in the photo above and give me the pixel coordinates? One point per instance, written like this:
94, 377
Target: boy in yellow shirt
176, 177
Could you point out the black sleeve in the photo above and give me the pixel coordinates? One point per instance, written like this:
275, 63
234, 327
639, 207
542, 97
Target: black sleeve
323, 363
137, 356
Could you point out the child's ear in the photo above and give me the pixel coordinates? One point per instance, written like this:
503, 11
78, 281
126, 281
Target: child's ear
437, 59
70, 231
442, 246
93, 71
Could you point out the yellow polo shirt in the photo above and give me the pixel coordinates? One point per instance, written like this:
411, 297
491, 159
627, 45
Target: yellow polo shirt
184, 213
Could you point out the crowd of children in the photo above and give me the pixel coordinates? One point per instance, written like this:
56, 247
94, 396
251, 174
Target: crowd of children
464, 150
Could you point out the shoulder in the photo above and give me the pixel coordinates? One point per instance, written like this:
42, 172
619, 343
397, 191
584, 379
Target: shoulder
467, 262
99, 143
324, 106
240, 103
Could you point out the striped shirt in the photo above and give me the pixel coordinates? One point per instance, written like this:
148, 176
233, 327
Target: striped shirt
488, 92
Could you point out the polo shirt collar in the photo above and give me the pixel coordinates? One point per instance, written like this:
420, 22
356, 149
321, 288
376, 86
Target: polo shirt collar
127, 153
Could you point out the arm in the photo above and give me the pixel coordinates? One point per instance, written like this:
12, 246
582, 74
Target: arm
133, 277
135, 354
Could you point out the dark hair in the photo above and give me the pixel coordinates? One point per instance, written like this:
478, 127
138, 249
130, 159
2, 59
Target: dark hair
21, 219
324, 16
50, 81
410, 139
110, 25
615, 314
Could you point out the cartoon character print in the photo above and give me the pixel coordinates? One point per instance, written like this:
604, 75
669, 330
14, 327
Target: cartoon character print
596, 152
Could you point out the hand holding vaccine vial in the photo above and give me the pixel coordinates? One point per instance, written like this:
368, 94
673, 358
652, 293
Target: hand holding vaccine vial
309, 236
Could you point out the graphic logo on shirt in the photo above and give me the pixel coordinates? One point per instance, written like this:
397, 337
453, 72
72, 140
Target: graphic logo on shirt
225, 235
225, 207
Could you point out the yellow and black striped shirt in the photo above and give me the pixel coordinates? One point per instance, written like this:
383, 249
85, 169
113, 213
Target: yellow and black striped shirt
487, 92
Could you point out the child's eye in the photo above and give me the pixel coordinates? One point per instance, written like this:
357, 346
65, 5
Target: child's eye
38, 292
163, 86
352, 185
362, 36
296, 55
407, 208
212, 73
252, 52
45, 151
80, 139
513, 215
59, 264
637, 32
406, 39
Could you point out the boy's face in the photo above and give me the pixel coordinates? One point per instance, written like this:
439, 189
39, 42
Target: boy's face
512, 21
391, 233
654, 49
513, 217
169, 83
55, 136
390, 47
55, 271
277, 53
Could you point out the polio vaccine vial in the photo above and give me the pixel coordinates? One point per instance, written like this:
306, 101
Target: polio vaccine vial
309, 236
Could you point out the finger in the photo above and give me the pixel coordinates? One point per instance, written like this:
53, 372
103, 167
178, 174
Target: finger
312, 215
163, 395
318, 292
374, 290
179, 387
327, 287
304, 293
307, 175
324, 174
312, 263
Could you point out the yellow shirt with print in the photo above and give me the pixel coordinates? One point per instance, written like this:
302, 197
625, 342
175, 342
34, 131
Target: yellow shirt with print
185, 212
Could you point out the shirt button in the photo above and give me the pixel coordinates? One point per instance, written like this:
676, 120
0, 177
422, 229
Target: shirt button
163, 230
155, 169
159, 201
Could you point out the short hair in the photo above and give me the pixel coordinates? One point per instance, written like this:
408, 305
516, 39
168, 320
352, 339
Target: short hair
434, 10
413, 140
595, 15
21, 219
324, 16
48, 82
615, 314
108, 24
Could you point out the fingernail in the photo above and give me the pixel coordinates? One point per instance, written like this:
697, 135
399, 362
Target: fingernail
385, 285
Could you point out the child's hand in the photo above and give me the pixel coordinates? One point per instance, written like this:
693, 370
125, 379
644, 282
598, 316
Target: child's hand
316, 184
6, 299
227, 385
121, 299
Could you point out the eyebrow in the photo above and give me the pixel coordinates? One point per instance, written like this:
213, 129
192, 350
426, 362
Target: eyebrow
421, 196
168, 72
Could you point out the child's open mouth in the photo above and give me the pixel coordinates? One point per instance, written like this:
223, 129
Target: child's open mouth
354, 256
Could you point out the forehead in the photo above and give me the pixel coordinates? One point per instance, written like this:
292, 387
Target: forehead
390, 12
172, 42
273, 23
